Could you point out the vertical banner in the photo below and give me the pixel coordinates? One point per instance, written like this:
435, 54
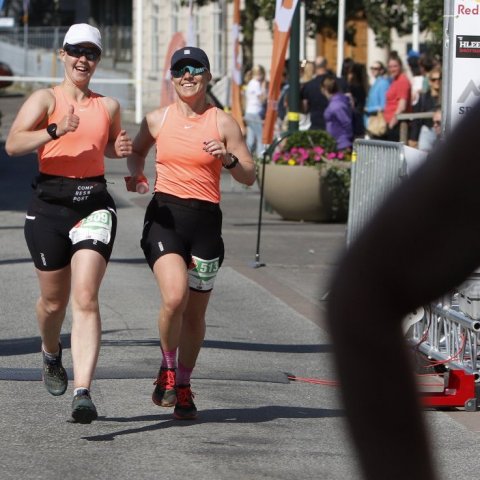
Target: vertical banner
167, 92
191, 34
284, 11
462, 80
237, 111
26, 4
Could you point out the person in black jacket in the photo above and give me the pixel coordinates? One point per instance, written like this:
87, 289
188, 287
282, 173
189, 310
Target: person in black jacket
421, 134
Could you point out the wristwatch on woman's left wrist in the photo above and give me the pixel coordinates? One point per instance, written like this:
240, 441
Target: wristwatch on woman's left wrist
233, 163
52, 130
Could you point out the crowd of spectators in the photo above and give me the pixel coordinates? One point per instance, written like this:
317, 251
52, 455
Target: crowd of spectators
345, 106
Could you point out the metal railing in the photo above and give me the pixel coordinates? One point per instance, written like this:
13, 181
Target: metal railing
448, 336
117, 41
448, 332
377, 169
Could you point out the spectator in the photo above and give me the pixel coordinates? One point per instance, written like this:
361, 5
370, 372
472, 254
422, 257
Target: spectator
246, 78
426, 63
282, 106
343, 80
313, 100
437, 124
398, 98
421, 133
307, 71
338, 114
256, 96
357, 88
417, 78
377, 94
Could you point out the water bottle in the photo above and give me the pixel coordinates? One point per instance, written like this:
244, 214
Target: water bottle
142, 187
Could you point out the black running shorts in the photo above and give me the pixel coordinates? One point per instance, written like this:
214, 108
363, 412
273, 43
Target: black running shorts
55, 232
190, 228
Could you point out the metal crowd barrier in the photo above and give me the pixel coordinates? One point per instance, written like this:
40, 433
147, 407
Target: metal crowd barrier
448, 336
448, 332
378, 168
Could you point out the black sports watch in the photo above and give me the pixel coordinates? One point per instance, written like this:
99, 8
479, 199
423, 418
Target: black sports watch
233, 163
52, 130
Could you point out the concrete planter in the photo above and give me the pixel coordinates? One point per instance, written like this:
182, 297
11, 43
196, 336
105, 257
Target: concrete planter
296, 193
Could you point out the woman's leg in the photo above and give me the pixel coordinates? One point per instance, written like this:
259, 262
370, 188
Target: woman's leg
171, 274
51, 306
193, 328
88, 269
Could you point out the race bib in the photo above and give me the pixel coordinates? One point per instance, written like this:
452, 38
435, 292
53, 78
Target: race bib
202, 273
97, 226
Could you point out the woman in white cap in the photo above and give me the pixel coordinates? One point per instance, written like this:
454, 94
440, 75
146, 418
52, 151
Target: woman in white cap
71, 222
182, 238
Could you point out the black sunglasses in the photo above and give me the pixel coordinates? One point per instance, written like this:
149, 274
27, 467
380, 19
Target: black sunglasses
90, 53
188, 68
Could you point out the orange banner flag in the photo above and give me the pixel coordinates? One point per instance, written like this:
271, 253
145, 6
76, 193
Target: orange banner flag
167, 92
236, 103
284, 11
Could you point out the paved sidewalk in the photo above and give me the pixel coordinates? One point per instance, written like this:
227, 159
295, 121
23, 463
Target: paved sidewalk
264, 325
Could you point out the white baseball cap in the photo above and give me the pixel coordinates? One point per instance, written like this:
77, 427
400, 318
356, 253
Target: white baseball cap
83, 33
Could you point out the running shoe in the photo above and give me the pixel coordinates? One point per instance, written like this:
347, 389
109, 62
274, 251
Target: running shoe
54, 375
164, 394
83, 409
185, 409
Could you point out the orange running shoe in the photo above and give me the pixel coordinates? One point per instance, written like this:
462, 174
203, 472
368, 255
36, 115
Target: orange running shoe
185, 409
164, 394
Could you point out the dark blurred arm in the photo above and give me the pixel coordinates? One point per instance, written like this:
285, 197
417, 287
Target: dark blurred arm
424, 241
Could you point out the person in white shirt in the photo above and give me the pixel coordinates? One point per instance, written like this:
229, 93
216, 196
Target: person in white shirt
255, 103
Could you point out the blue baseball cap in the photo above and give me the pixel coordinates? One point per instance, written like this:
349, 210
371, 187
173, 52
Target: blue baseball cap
190, 53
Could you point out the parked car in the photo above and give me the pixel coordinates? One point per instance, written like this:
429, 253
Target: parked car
5, 71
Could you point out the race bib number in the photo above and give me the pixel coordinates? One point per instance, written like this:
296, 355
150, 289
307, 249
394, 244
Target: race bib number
97, 226
202, 273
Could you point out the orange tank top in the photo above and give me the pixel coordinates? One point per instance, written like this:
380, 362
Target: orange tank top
183, 168
77, 154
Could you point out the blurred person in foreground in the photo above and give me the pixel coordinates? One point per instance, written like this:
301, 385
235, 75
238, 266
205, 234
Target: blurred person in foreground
71, 221
391, 269
182, 235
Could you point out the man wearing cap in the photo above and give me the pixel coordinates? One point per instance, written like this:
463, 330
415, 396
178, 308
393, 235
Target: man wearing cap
71, 221
181, 238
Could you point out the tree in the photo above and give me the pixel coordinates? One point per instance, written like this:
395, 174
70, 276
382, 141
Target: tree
431, 20
40, 12
321, 17
384, 15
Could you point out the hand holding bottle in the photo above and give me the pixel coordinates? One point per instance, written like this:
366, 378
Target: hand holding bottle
137, 183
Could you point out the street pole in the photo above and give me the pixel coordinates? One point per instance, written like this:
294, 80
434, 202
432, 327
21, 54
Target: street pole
138, 61
340, 36
293, 73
